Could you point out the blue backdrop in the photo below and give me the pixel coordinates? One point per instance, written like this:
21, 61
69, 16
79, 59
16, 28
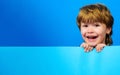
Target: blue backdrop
47, 22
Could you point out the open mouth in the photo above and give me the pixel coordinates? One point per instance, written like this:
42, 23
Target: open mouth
92, 37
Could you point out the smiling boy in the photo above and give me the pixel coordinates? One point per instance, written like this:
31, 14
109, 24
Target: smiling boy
95, 22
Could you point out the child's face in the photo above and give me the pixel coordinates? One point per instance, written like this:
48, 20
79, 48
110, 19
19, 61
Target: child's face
94, 33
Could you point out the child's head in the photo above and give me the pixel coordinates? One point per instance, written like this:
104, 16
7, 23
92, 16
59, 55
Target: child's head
95, 22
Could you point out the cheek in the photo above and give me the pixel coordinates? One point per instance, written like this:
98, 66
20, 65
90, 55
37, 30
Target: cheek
102, 33
83, 33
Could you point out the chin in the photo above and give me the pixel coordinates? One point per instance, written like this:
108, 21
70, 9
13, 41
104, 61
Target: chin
92, 44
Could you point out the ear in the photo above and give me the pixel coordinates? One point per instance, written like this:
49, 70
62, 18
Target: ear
108, 30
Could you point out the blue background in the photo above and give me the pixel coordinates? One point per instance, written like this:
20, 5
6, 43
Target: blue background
47, 22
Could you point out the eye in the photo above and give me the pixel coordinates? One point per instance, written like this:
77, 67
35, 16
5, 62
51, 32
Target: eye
97, 25
85, 25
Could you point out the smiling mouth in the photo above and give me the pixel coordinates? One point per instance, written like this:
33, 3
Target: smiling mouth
92, 37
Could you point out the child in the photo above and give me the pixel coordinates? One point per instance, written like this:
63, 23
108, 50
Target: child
95, 23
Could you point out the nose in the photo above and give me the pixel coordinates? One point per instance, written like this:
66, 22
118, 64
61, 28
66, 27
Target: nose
90, 30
